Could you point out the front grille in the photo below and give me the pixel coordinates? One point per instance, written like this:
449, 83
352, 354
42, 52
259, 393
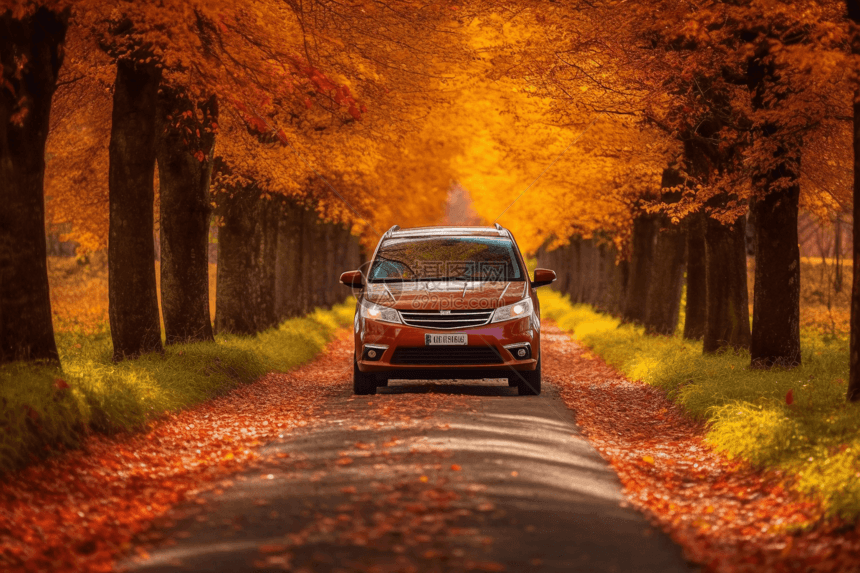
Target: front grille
454, 355
455, 319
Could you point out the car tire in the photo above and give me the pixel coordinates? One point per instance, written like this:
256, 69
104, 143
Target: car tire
514, 381
363, 383
529, 383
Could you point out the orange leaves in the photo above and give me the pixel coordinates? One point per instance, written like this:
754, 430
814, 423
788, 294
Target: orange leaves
789, 397
726, 515
81, 510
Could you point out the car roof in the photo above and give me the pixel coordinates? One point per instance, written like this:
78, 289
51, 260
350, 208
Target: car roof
447, 231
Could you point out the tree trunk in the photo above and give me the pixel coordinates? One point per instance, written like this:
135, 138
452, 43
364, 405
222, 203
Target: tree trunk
667, 270
776, 298
727, 323
666, 281
330, 241
694, 316
36, 44
264, 289
134, 319
236, 259
854, 372
590, 261
641, 259
288, 262
185, 169
776, 189
837, 249
309, 255
574, 282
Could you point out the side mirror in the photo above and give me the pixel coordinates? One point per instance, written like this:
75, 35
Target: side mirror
353, 279
543, 277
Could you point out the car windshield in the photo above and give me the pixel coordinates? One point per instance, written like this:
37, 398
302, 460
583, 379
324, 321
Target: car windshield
446, 258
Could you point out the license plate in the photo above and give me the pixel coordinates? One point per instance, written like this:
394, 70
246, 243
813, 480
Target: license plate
446, 339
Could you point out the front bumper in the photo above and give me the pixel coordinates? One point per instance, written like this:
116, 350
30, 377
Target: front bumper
496, 336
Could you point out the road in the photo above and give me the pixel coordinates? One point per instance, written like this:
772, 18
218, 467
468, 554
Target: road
425, 476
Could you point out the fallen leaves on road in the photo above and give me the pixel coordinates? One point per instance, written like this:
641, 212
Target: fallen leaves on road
83, 510
727, 516
78, 511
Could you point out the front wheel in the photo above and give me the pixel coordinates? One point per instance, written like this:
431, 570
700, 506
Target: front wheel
529, 383
363, 383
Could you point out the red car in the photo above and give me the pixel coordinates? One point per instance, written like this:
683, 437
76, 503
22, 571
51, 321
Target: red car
447, 302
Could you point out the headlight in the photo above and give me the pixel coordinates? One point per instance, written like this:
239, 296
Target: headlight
375, 311
512, 311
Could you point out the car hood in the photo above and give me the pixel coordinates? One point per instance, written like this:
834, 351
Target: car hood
433, 295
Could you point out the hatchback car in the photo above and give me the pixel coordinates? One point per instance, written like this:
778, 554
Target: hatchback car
450, 303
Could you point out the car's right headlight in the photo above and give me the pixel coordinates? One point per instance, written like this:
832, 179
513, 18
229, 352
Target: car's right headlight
378, 312
512, 311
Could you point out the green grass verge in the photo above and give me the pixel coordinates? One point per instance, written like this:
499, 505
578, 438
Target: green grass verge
37, 415
816, 439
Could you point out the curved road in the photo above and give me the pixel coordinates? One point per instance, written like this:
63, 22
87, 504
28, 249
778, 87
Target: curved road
425, 476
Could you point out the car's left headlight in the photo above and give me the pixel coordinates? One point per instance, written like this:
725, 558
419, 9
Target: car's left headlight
512, 311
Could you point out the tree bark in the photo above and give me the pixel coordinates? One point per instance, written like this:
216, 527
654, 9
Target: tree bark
574, 282
288, 262
247, 254
854, 360
727, 323
837, 249
306, 292
667, 280
236, 258
590, 261
641, 259
694, 316
36, 42
133, 310
185, 169
667, 270
776, 298
264, 292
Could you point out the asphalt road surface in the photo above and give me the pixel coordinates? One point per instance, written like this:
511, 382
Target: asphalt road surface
425, 476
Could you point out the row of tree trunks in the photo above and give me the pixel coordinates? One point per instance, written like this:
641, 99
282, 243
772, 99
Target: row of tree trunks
33, 44
715, 259
589, 273
276, 260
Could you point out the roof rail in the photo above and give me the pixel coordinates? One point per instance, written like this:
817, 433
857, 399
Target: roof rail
391, 230
497, 226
